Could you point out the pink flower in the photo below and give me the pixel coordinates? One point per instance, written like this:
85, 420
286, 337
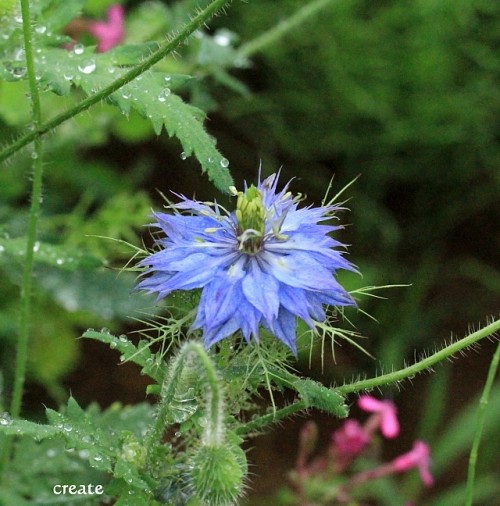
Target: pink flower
111, 32
349, 440
418, 456
386, 411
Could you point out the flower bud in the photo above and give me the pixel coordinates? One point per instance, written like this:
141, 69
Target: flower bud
217, 474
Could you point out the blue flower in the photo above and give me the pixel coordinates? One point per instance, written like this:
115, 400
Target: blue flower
265, 264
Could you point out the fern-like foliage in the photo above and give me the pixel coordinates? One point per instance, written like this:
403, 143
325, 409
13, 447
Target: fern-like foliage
62, 65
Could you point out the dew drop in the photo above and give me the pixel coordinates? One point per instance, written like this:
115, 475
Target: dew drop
41, 29
19, 54
167, 78
78, 49
59, 261
5, 419
36, 247
123, 339
183, 156
18, 72
224, 162
87, 67
164, 94
222, 38
98, 458
84, 454
125, 94
68, 76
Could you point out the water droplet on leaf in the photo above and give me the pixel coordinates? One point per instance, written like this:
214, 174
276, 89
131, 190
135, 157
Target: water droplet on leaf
87, 67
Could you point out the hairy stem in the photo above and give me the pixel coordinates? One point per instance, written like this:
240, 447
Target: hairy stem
469, 493
36, 197
214, 430
282, 28
385, 379
274, 417
134, 72
425, 363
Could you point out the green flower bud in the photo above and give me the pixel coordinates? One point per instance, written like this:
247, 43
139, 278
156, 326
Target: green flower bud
217, 474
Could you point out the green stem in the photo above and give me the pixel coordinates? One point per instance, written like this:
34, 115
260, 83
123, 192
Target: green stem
282, 28
479, 427
275, 416
36, 197
214, 430
409, 372
134, 72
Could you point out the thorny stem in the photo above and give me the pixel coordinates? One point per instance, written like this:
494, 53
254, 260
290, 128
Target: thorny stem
134, 72
469, 493
36, 197
214, 430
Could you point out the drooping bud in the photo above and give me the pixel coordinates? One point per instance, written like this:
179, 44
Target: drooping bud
251, 215
217, 474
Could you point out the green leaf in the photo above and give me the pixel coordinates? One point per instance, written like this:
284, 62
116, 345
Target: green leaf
104, 293
51, 254
36, 431
58, 14
150, 94
151, 363
316, 395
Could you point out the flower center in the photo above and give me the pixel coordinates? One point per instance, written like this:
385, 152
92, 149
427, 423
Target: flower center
250, 214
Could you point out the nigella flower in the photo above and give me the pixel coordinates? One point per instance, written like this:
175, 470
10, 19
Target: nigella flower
265, 264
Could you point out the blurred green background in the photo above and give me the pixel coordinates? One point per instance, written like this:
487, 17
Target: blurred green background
403, 94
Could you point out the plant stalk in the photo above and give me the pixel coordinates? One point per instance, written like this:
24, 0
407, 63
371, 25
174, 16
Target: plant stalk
469, 492
36, 198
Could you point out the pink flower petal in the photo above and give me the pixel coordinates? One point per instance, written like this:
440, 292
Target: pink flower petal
109, 33
419, 457
389, 425
350, 439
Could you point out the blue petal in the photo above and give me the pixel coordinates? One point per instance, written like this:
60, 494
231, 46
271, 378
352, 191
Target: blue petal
284, 329
261, 290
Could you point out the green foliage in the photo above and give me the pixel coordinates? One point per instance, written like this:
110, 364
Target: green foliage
316, 395
77, 445
49, 254
402, 92
151, 363
150, 94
